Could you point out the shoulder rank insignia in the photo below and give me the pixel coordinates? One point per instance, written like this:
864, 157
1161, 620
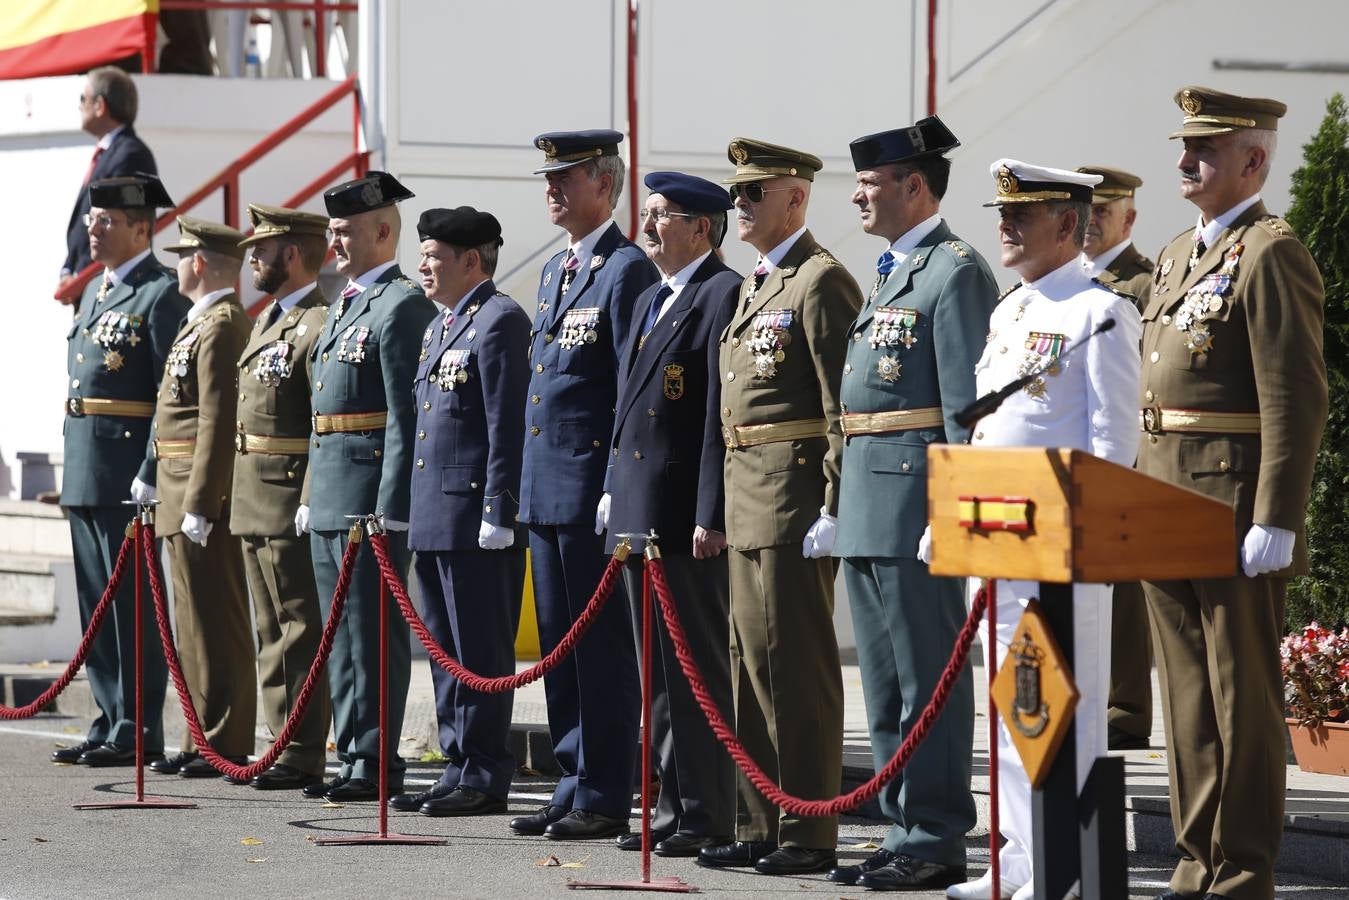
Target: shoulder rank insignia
596, 261
1004, 294
1275, 226
407, 282
1112, 289
958, 249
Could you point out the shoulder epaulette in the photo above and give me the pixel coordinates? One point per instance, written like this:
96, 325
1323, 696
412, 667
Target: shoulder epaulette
959, 248
1275, 226
1003, 295
826, 257
1114, 290
407, 282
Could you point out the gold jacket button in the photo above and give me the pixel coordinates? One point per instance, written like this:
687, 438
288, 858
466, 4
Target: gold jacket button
79, 357
1223, 466
535, 399
857, 336
595, 443
1002, 349
1149, 396
547, 339
378, 453
290, 475
905, 466
485, 508
637, 454
534, 430
1155, 356
318, 385
847, 368
421, 435
74, 382
325, 357
126, 434
800, 460
650, 412
426, 405
474, 485
420, 464
978, 435
730, 376
316, 442
735, 342
615, 451
539, 368
1152, 438
1166, 320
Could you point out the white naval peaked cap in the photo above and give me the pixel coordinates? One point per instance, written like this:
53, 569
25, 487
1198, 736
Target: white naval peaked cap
1019, 182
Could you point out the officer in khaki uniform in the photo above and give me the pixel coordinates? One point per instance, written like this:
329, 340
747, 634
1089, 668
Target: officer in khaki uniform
194, 442
272, 462
1109, 256
781, 360
1233, 405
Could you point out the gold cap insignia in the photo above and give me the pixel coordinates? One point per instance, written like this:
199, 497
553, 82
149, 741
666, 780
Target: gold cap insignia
548, 147
1007, 183
1191, 103
739, 154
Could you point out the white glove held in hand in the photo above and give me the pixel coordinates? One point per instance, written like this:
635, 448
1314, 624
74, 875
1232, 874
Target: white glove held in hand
602, 514
142, 492
819, 540
301, 520
196, 528
392, 524
1266, 549
494, 537
925, 546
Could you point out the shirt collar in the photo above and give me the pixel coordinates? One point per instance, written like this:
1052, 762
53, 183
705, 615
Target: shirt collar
773, 258
1094, 267
119, 274
106, 141
459, 307
287, 303
584, 249
1064, 281
677, 281
373, 275
206, 302
909, 240
1211, 231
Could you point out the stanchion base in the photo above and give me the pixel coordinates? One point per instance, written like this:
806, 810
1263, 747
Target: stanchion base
360, 839
146, 803
672, 884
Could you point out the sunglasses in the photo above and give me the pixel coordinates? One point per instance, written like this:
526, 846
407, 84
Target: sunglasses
753, 191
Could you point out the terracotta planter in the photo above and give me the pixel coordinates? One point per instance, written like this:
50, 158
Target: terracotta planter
1323, 749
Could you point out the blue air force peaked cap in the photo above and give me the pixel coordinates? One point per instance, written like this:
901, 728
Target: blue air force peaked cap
137, 191
564, 149
689, 191
923, 138
460, 227
375, 191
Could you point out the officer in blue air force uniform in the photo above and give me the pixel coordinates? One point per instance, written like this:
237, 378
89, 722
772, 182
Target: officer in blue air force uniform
586, 300
360, 456
116, 351
470, 393
665, 473
909, 369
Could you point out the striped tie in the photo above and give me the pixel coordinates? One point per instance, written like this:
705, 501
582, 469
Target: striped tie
760, 273
569, 267
105, 287
351, 290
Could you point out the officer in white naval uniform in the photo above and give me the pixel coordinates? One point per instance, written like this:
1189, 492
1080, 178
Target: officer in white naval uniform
1086, 401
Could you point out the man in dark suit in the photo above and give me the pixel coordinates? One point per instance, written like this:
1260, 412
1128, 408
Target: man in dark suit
116, 351
107, 111
665, 473
360, 456
586, 299
470, 392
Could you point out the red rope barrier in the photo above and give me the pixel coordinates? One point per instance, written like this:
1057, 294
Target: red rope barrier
86, 642
770, 790
380, 544
222, 765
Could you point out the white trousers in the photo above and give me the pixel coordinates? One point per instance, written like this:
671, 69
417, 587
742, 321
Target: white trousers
1091, 644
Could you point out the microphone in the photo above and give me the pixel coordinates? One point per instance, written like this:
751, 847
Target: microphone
989, 403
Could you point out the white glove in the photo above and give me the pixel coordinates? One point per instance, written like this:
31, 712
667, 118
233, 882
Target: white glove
196, 528
1266, 549
925, 546
494, 537
142, 492
819, 540
602, 514
302, 520
392, 524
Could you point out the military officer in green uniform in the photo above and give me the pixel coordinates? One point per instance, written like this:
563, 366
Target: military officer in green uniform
909, 370
115, 353
271, 462
360, 459
1233, 405
780, 361
194, 442
1109, 256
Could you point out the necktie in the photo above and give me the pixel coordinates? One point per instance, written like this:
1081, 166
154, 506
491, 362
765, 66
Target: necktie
653, 316
760, 273
1196, 251
105, 287
93, 161
273, 313
351, 290
569, 267
884, 266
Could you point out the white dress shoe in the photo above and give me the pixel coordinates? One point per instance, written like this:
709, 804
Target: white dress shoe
982, 889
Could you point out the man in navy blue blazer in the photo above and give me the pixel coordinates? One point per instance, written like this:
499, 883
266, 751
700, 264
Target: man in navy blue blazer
108, 106
585, 307
470, 390
665, 473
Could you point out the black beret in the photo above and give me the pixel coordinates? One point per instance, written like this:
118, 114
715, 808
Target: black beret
689, 191
461, 227
923, 138
138, 191
375, 191
564, 149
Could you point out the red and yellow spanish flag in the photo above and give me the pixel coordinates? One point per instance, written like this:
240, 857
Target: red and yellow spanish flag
62, 37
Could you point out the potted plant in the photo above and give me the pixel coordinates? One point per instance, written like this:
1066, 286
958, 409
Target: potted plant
1315, 664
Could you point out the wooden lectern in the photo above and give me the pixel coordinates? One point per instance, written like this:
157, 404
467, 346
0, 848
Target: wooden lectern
1058, 517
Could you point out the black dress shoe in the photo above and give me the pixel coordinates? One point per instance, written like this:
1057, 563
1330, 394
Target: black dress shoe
463, 801
170, 765
850, 874
411, 802
281, 777
319, 789
358, 789
909, 873
200, 768
1119, 739
582, 824
71, 755
113, 755
736, 853
535, 823
797, 861
1177, 895
680, 844
633, 839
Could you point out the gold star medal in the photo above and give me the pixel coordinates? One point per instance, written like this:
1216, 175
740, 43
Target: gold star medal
113, 360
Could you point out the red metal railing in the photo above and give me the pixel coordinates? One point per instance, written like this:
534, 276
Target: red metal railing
318, 7
227, 182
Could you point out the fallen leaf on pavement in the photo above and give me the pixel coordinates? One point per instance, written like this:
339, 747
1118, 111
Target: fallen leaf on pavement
257, 859
328, 804
71, 729
865, 845
38, 840
250, 842
548, 861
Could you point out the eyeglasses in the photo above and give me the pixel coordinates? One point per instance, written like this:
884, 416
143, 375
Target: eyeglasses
662, 215
753, 192
105, 220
